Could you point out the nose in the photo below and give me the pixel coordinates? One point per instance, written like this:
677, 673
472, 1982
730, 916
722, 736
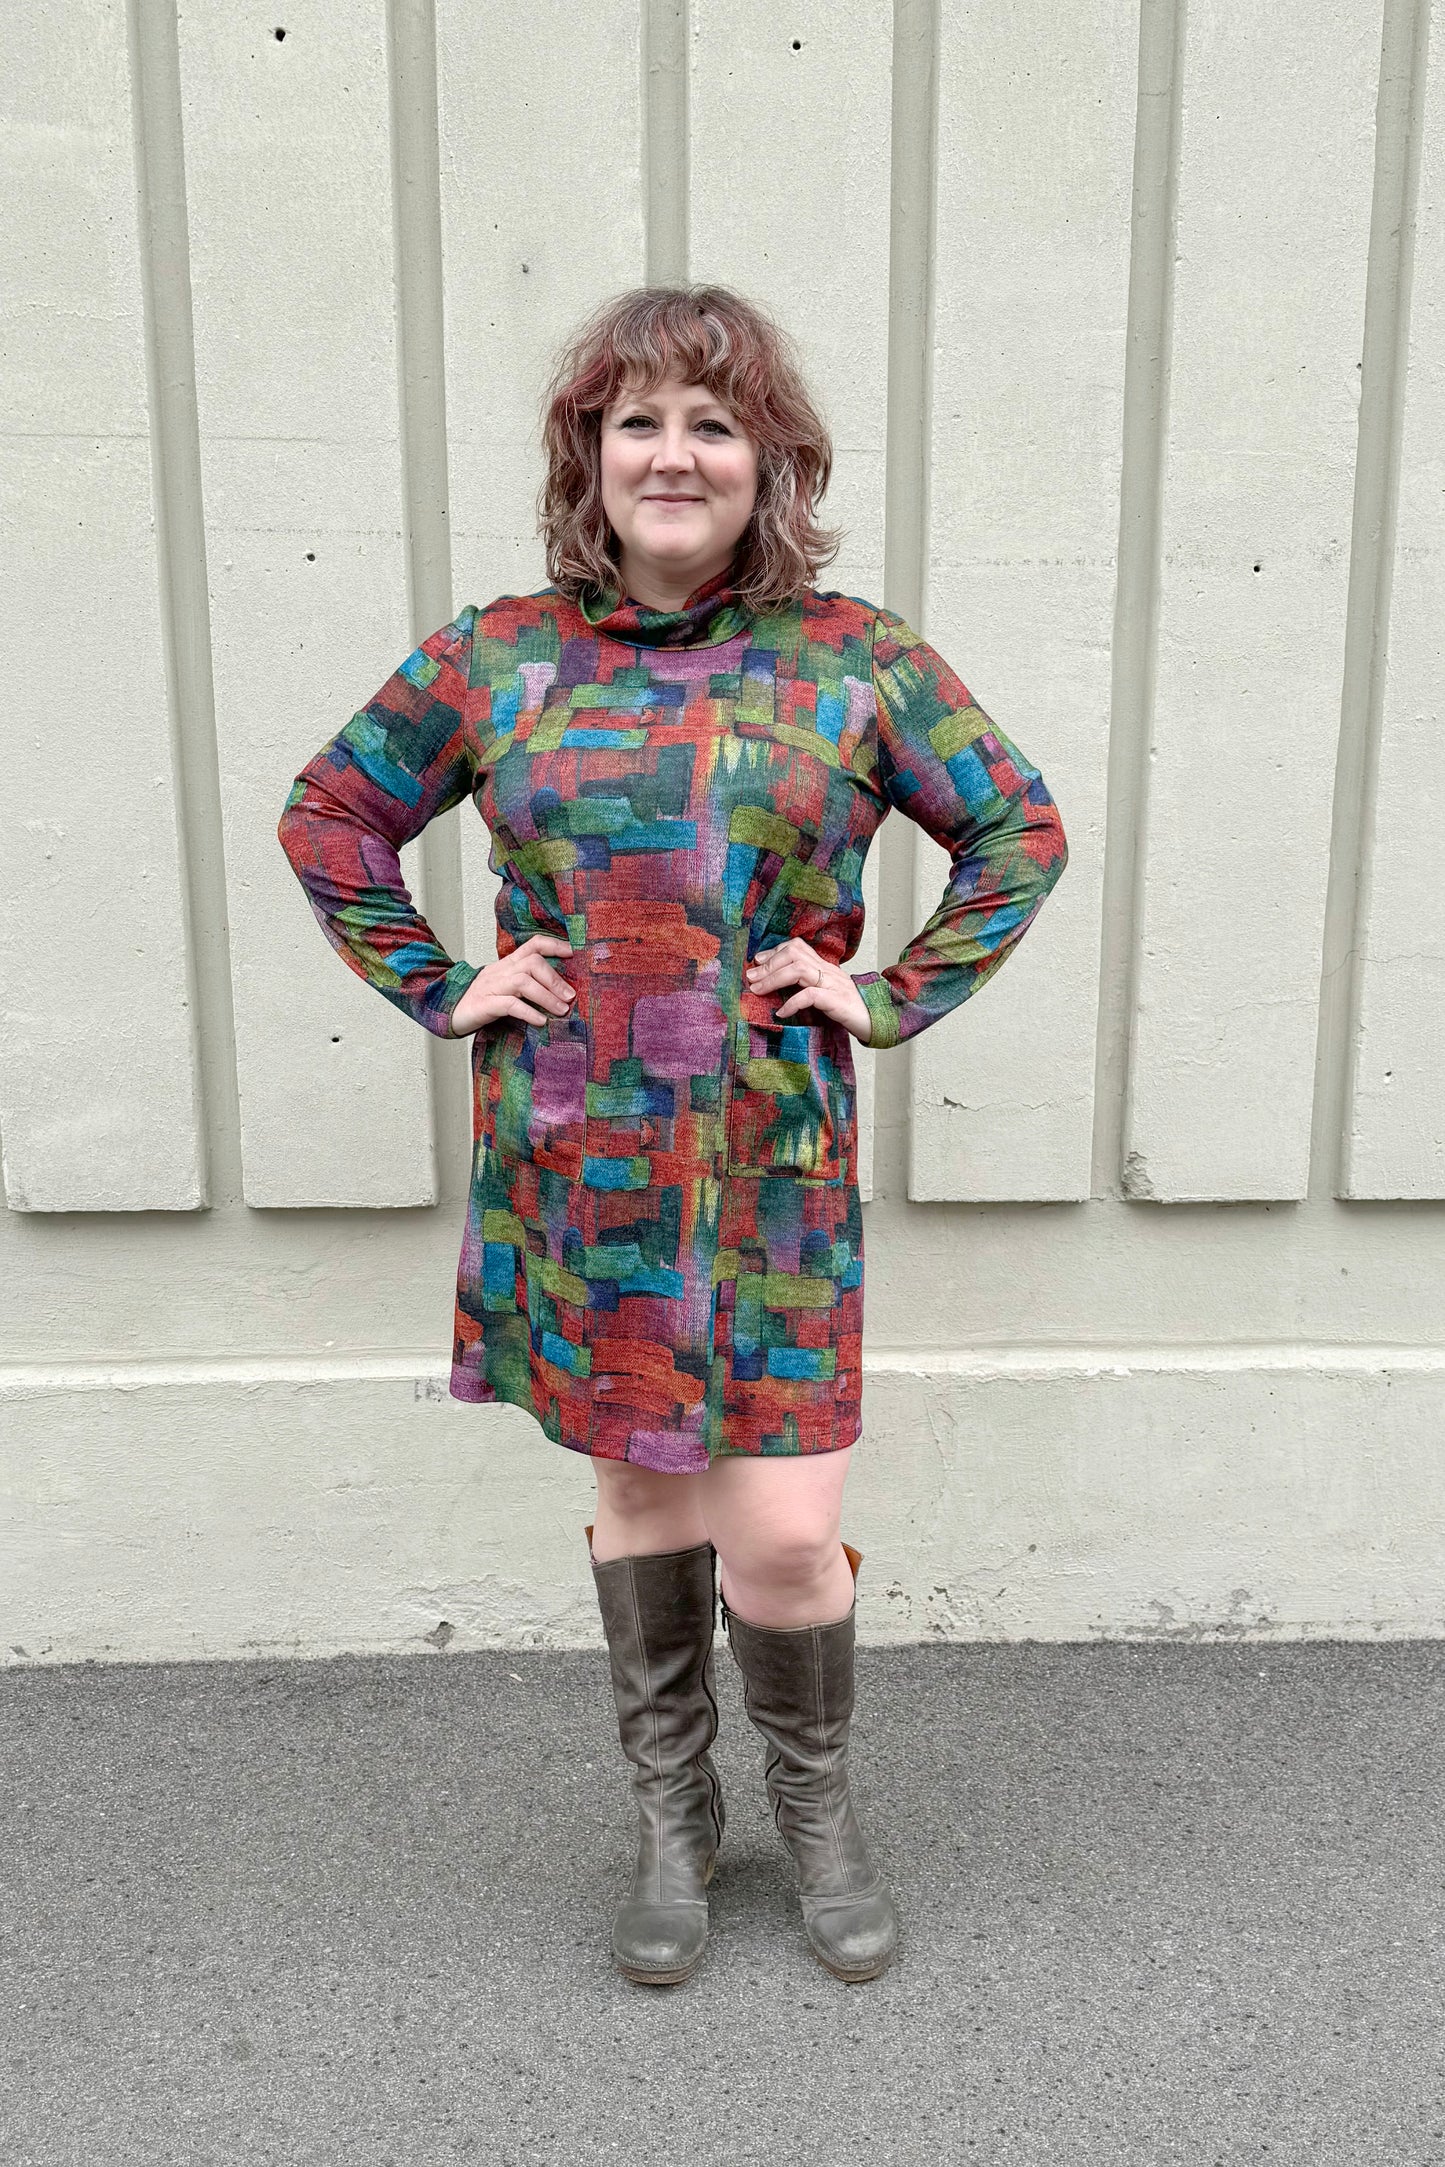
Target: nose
674, 454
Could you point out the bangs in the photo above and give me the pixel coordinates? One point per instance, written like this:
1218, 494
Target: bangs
673, 335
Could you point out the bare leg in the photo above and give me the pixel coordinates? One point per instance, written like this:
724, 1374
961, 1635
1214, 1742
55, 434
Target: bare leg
640, 1512
774, 1523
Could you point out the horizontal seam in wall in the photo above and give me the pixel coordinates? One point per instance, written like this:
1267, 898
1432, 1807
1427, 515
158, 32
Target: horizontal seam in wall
981, 1363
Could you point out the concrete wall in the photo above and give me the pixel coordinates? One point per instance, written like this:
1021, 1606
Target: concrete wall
1130, 322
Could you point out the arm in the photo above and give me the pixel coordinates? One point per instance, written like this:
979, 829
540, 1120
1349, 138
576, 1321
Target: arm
404, 758
943, 762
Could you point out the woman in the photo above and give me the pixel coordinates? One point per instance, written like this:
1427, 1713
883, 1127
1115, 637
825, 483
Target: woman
682, 750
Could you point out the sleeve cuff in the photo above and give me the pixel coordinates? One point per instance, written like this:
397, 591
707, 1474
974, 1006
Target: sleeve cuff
454, 985
877, 994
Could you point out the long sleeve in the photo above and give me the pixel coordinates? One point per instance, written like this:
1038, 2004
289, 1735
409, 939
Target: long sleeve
402, 759
943, 762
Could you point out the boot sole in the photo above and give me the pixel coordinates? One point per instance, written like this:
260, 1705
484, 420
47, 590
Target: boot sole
668, 1978
657, 1978
854, 1978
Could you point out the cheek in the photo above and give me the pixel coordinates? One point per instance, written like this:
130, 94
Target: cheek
618, 462
736, 478
745, 488
617, 492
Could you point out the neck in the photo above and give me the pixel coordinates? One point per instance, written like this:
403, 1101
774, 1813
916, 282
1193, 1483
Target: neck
666, 586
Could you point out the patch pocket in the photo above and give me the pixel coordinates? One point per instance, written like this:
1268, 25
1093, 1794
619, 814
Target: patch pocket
536, 1105
792, 1098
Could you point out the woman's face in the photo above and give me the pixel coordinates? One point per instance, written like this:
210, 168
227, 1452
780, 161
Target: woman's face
679, 479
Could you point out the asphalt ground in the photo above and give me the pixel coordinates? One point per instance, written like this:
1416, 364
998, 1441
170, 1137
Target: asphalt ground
1161, 1902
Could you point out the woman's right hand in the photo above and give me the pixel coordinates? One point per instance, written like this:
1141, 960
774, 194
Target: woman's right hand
520, 984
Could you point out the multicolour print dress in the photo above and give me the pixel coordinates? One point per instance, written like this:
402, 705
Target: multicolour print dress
663, 1252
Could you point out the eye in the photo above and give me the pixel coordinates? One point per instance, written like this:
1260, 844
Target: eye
646, 421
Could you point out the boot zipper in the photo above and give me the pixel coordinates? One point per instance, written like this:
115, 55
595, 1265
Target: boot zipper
723, 1612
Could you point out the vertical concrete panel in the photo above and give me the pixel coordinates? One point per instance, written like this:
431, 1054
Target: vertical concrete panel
541, 193
98, 1093
799, 102
1395, 1146
1272, 236
1030, 308
288, 181
791, 122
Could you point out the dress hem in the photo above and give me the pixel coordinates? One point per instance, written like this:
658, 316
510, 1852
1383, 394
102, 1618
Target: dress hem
474, 1391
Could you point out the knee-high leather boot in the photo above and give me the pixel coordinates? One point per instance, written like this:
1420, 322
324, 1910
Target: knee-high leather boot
657, 1613
798, 1691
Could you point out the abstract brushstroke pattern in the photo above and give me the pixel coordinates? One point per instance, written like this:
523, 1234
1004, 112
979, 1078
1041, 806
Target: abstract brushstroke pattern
663, 1252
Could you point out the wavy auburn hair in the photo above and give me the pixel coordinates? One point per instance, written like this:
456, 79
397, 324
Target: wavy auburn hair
710, 336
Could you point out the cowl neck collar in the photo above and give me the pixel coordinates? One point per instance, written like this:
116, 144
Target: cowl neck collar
712, 613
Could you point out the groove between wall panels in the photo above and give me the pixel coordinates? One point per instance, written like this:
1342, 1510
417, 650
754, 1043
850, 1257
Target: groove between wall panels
185, 602
912, 258
911, 269
665, 140
421, 394
1023, 1361
1398, 119
1136, 606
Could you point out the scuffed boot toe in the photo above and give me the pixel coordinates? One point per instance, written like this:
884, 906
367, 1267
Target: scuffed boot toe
659, 1944
855, 1937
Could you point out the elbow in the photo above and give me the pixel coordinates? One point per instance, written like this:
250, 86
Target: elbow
1046, 842
1060, 848
291, 827
1053, 844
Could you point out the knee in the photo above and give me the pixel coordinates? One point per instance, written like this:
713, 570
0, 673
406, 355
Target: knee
791, 1560
632, 1492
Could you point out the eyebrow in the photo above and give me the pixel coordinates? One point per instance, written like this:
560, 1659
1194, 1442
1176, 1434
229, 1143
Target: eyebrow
648, 398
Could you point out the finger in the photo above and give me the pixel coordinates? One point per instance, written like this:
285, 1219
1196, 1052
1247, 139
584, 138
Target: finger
543, 984
551, 944
518, 1007
806, 998
809, 991
785, 982
805, 970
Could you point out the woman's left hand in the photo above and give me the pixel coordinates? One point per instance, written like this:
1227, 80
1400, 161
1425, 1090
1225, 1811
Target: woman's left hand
824, 986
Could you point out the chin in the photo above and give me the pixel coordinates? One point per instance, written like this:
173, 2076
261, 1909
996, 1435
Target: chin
672, 548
